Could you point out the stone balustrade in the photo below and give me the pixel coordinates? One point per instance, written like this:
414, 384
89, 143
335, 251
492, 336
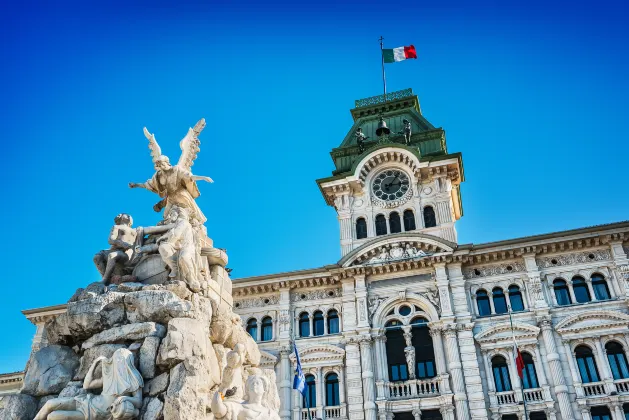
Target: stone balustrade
534, 395
622, 386
336, 412
413, 388
594, 388
506, 397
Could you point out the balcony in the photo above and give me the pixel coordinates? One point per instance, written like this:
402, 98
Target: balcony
413, 388
506, 397
622, 386
594, 389
324, 413
534, 395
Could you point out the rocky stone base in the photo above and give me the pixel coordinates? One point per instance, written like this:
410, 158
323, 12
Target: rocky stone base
179, 340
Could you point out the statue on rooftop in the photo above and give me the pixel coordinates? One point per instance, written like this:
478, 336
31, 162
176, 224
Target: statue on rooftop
407, 131
176, 185
360, 139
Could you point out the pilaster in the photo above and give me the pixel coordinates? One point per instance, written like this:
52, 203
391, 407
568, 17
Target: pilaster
353, 375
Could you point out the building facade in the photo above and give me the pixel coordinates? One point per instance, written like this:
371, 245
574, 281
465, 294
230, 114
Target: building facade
411, 325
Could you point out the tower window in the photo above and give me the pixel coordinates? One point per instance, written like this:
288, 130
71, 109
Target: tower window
361, 228
409, 220
394, 222
430, 220
381, 225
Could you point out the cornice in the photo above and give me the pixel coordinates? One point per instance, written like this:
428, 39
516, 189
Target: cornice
41, 315
9, 378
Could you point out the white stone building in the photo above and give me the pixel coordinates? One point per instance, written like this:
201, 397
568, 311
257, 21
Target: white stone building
411, 325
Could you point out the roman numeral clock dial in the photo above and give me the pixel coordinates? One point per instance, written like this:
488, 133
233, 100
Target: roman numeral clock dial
391, 188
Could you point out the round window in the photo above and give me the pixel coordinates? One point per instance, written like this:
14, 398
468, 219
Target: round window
404, 310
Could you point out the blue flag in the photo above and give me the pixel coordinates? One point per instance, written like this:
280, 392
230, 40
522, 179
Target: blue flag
299, 383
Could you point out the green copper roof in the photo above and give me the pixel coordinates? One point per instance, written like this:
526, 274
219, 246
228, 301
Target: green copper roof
398, 106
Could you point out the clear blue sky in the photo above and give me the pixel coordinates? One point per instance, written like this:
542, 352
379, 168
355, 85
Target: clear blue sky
533, 94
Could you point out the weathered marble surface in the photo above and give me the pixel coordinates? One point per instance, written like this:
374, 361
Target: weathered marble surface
49, 370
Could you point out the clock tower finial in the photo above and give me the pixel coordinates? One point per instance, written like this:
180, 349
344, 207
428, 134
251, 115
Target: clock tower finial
393, 174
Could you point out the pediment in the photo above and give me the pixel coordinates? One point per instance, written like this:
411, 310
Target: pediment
267, 360
502, 335
320, 353
588, 322
397, 248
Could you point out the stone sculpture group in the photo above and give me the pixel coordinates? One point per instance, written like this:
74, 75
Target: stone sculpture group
157, 337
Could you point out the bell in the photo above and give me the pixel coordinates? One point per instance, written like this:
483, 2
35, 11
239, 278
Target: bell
382, 128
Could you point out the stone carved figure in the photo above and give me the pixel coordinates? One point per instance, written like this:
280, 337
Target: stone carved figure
252, 408
178, 249
120, 398
360, 139
407, 131
409, 352
231, 386
176, 185
122, 238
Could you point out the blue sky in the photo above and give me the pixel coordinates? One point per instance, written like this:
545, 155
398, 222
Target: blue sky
533, 94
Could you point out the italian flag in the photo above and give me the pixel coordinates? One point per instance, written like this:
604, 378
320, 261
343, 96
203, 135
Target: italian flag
398, 54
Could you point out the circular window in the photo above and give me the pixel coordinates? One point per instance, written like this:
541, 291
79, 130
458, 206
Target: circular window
476, 272
404, 310
237, 305
553, 261
509, 268
331, 293
266, 301
303, 296
591, 256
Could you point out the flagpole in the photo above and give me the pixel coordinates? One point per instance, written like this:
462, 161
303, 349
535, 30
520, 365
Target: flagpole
384, 78
526, 415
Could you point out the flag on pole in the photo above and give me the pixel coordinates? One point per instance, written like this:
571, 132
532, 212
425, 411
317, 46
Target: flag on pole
299, 383
519, 360
398, 54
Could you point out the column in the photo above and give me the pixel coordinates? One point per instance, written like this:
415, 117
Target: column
381, 354
369, 390
576, 378
325, 323
491, 301
585, 413
447, 412
552, 294
571, 291
617, 411
588, 281
342, 385
491, 385
258, 331
310, 320
417, 414
440, 359
320, 394
539, 367
355, 399
285, 383
601, 360
557, 377
456, 372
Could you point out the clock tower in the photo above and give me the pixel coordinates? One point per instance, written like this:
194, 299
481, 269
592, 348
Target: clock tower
393, 174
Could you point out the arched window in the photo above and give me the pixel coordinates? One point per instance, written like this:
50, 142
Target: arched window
304, 325
424, 351
409, 220
482, 300
318, 323
561, 292
430, 220
600, 413
529, 375
601, 291
361, 228
580, 289
617, 360
394, 222
381, 225
333, 321
515, 297
500, 301
396, 359
501, 374
267, 328
310, 399
332, 390
586, 364
252, 328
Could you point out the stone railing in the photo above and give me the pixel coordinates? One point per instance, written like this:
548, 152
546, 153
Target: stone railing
594, 388
534, 395
305, 416
412, 388
622, 386
506, 397
337, 412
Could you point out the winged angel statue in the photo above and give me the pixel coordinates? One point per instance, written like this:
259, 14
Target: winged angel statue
176, 185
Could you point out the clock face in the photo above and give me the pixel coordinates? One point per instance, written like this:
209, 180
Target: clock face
391, 186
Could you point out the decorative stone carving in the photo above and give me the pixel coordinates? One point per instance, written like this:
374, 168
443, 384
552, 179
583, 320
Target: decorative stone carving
176, 185
575, 258
252, 408
298, 296
122, 238
231, 386
494, 270
257, 302
374, 303
397, 252
120, 399
432, 295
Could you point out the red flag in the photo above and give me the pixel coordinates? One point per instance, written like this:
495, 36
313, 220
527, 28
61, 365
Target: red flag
519, 360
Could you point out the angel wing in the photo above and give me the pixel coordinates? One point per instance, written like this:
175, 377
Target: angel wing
156, 151
190, 146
